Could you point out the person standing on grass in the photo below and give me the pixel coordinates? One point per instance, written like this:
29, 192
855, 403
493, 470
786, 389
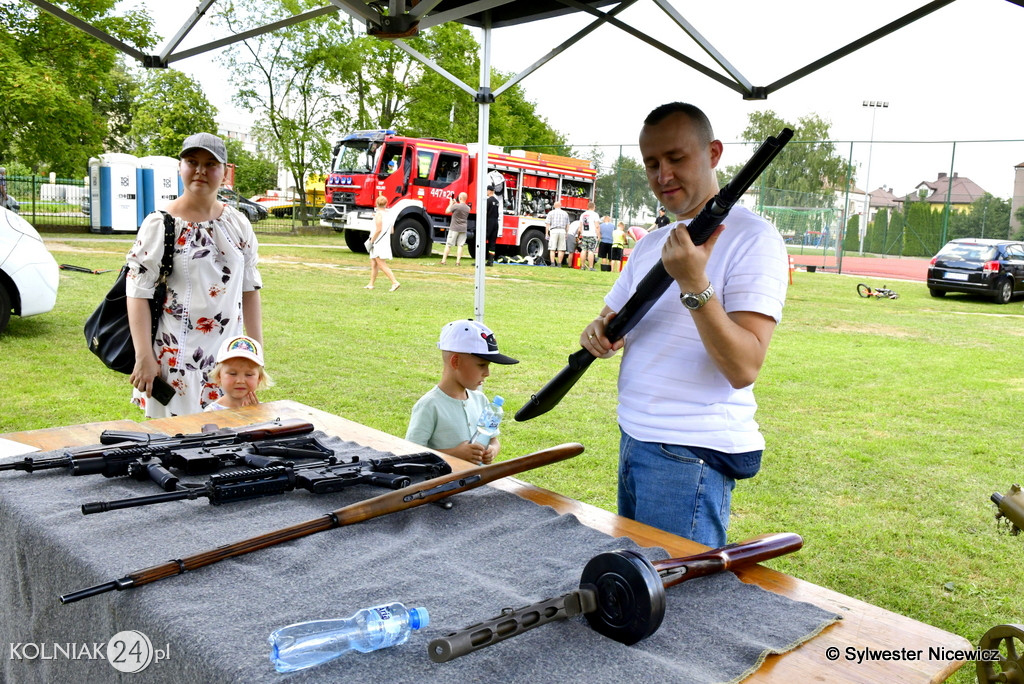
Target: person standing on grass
380, 245
457, 230
555, 224
589, 231
213, 291
604, 247
686, 380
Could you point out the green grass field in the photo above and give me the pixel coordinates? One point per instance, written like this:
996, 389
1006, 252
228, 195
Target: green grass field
888, 423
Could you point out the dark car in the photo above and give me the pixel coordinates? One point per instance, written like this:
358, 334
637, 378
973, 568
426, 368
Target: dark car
252, 211
994, 268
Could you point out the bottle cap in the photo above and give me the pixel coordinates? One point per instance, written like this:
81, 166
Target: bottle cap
418, 617
498, 401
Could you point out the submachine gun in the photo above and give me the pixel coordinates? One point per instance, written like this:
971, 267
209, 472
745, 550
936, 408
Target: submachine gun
621, 594
657, 280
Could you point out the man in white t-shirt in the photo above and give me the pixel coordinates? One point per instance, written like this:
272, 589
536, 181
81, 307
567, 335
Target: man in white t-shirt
686, 401
590, 224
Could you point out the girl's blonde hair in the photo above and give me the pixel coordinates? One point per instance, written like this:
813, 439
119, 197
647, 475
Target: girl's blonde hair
265, 379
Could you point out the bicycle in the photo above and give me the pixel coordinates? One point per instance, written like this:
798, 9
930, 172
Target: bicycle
866, 291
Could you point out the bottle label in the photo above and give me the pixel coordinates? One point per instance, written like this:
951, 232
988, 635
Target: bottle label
384, 612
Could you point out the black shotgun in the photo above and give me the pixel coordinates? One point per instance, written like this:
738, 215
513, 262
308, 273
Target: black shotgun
657, 280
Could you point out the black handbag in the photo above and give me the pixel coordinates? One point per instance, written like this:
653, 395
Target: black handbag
107, 331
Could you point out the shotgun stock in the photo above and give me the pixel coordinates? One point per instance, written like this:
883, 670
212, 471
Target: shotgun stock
385, 504
657, 280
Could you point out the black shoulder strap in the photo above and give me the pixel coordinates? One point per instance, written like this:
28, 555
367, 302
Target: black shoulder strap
166, 265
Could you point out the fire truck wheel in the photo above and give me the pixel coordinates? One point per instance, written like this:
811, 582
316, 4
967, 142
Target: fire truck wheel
355, 240
410, 240
533, 243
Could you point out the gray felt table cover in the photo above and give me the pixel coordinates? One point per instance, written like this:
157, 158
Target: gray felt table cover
492, 550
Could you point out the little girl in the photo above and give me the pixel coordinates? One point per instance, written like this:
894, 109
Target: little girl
239, 373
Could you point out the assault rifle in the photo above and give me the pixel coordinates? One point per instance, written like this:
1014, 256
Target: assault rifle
119, 452
657, 280
392, 472
415, 495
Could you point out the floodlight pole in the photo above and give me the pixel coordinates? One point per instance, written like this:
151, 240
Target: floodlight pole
863, 229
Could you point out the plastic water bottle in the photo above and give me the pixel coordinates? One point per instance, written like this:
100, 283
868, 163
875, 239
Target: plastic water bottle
306, 644
487, 425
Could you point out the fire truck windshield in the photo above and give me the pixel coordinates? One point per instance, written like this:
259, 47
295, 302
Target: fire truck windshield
353, 157
356, 152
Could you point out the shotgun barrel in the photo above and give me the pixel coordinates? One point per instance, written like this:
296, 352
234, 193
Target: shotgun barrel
657, 280
385, 504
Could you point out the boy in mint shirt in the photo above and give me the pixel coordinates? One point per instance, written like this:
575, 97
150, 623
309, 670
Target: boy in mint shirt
445, 418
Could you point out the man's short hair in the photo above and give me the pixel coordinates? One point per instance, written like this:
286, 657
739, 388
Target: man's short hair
697, 117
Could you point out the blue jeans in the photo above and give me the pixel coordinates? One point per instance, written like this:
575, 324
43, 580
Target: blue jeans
667, 486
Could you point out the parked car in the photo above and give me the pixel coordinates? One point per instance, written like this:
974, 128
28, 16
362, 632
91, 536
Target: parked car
253, 211
28, 272
978, 266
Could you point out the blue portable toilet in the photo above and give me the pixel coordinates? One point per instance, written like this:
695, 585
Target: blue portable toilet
114, 182
160, 183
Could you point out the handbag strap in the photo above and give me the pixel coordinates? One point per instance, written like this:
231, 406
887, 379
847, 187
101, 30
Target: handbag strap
166, 266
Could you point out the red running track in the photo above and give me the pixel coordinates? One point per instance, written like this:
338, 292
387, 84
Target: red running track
905, 268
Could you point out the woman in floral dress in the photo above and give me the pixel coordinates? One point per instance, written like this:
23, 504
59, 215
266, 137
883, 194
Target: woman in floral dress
213, 291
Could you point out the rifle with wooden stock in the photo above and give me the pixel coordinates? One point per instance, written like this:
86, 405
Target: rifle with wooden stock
385, 504
657, 280
621, 594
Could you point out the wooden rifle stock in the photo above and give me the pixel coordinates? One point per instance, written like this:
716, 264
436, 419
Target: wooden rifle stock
385, 504
657, 280
728, 557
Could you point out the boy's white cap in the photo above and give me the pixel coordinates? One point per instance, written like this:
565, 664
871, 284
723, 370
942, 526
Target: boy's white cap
241, 347
472, 337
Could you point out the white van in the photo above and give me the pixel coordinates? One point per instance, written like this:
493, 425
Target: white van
28, 272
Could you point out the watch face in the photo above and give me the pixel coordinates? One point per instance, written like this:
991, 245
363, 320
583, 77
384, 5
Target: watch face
691, 302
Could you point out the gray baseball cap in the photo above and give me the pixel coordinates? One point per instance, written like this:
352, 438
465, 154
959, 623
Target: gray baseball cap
208, 142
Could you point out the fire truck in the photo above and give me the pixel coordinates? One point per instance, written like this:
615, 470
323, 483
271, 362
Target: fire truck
420, 177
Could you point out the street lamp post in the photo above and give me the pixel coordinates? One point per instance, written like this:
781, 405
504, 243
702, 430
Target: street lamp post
875, 105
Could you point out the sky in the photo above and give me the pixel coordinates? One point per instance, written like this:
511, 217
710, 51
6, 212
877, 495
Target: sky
947, 77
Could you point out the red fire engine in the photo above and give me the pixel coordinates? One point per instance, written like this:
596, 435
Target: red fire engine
420, 176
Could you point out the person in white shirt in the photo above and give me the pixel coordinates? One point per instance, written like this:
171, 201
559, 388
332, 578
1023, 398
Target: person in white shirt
590, 224
686, 400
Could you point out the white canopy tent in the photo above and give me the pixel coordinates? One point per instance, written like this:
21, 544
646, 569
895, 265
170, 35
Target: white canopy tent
396, 19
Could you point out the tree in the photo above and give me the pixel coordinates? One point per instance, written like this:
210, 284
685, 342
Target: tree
170, 107
623, 189
285, 78
806, 172
393, 90
254, 173
58, 83
988, 217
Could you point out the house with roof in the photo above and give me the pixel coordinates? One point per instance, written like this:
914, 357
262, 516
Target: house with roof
959, 190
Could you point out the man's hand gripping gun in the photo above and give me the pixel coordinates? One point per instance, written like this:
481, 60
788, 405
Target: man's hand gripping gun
657, 280
621, 594
1011, 507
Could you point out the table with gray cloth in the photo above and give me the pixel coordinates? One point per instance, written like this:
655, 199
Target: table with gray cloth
492, 550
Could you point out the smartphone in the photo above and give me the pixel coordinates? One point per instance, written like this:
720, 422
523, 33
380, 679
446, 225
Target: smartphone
162, 392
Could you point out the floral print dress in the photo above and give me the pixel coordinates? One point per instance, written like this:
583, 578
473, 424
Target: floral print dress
214, 263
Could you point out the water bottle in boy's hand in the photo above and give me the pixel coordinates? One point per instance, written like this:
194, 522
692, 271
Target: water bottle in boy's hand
487, 425
306, 644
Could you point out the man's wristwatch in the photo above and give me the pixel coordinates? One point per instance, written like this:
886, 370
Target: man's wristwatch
694, 301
